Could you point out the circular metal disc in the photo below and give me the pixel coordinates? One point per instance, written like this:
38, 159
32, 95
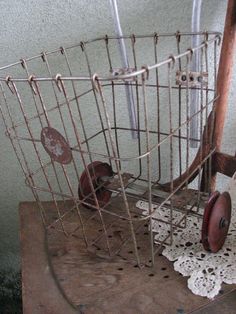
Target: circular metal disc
219, 222
56, 146
206, 217
96, 169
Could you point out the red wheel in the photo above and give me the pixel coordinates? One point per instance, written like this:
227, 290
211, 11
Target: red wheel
96, 169
216, 222
206, 217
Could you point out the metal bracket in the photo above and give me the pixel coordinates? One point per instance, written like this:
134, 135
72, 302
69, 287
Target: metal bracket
192, 79
123, 71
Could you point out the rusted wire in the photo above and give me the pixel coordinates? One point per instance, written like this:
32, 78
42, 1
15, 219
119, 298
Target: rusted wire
87, 111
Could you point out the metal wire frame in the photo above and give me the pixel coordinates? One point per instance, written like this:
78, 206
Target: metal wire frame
110, 134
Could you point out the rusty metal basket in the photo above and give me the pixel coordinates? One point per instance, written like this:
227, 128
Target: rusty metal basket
66, 116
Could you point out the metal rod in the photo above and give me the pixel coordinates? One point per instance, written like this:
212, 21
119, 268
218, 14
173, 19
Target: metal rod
118, 77
101, 138
125, 64
110, 157
112, 142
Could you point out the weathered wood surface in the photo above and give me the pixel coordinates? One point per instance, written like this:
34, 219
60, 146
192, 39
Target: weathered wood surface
225, 71
93, 284
224, 163
39, 290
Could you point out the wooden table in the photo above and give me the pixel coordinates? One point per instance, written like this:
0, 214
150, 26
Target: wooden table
59, 276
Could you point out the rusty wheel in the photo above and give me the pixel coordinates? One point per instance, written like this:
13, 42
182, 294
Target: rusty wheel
97, 170
206, 217
216, 221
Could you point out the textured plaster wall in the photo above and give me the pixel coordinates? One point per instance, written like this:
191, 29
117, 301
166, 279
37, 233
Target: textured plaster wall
31, 26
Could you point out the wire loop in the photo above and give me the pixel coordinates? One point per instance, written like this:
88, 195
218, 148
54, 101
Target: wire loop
95, 82
146, 68
173, 59
156, 37
58, 81
31, 82
9, 84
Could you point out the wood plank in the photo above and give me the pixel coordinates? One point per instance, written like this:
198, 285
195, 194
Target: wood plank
226, 304
40, 293
224, 164
60, 269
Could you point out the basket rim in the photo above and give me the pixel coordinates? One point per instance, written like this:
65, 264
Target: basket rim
215, 37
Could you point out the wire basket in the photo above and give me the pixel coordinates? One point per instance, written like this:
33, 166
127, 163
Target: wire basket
106, 180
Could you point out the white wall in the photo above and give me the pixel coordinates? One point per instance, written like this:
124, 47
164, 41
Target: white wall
31, 26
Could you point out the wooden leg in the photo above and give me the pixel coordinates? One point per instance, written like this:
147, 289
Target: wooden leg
224, 77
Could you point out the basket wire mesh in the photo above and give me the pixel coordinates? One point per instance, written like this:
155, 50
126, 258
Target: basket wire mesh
87, 120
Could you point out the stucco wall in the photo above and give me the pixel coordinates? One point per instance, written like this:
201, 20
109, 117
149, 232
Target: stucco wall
31, 26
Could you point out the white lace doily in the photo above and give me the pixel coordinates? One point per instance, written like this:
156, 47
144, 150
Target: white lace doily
206, 271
